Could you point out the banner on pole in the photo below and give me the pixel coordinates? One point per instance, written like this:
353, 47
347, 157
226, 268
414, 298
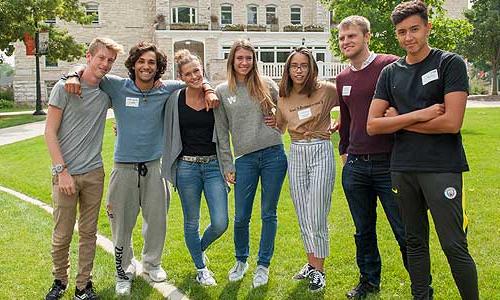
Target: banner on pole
43, 43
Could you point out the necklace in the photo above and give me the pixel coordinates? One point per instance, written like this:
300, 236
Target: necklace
145, 94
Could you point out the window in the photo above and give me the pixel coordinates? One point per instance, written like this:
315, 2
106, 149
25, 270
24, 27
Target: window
92, 9
252, 14
320, 56
295, 15
271, 15
184, 15
226, 14
50, 63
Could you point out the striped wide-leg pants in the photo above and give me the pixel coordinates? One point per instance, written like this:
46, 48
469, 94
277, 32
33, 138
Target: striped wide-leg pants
311, 171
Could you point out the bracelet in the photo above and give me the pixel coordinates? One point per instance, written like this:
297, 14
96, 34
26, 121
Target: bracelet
69, 75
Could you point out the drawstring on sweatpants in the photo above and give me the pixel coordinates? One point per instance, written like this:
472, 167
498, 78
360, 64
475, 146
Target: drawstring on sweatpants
142, 170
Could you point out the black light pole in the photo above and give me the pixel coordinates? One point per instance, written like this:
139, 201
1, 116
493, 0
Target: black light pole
38, 102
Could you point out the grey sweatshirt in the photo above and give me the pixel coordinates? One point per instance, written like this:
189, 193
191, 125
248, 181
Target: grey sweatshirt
240, 115
173, 142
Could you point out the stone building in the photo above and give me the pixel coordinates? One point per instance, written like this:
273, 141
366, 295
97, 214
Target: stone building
206, 27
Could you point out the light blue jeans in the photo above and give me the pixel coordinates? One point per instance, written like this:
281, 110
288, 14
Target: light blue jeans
192, 179
270, 165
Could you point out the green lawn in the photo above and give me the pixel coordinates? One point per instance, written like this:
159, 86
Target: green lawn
25, 167
9, 121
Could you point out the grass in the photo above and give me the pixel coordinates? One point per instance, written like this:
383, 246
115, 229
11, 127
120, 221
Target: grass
26, 261
18, 107
9, 121
25, 167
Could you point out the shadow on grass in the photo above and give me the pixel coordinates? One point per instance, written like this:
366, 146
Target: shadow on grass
140, 290
301, 291
471, 132
190, 287
230, 291
257, 293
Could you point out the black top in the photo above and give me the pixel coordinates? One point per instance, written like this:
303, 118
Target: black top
197, 129
412, 87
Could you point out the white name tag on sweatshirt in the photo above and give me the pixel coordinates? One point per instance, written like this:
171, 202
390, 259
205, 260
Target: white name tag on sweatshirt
430, 76
304, 113
346, 90
131, 102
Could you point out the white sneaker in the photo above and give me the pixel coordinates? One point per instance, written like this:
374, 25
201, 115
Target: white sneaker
123, 287
157, 274
131, 270
238, 271
261, 276
205, 277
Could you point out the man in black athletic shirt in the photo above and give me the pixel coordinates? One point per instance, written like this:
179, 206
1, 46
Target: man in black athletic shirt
421, 98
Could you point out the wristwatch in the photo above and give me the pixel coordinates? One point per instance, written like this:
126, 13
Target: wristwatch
57, 169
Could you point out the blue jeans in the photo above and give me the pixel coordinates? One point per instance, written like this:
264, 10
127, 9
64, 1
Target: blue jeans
364, 180
192, 179
270, 165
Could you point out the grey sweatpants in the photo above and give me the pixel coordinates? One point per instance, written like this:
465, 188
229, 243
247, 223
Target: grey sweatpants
311, 171
128, 192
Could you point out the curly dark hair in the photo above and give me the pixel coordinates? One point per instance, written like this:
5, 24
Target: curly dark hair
409, 8
138, 50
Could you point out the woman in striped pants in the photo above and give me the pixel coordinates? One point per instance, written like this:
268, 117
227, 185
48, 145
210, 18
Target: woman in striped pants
304, 109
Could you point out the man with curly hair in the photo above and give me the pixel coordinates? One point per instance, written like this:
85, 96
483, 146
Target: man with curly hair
135, 183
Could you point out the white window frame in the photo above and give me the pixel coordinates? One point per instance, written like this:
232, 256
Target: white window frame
222, 6
92, 8
292, 13
256, 7
192, 14
268, 13
275, 49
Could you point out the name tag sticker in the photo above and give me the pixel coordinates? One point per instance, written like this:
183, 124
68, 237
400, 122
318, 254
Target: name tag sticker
132, 102
304, 113
346, 90
430, 76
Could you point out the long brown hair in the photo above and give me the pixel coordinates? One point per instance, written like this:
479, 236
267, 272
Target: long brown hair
311, 82
257, 88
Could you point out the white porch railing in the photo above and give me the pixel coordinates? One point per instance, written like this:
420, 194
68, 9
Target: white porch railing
328, 70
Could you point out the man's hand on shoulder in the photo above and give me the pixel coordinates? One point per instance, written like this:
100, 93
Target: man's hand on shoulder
73, 86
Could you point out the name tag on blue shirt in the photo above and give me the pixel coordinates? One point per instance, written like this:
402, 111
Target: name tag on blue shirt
131, 102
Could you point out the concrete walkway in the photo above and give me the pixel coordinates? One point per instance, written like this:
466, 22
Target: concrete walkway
26, 131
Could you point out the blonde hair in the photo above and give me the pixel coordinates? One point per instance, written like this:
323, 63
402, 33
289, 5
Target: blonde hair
358, 21
102, 42
184, 56
257, 88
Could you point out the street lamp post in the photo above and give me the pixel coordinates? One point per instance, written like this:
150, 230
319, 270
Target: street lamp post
38, 102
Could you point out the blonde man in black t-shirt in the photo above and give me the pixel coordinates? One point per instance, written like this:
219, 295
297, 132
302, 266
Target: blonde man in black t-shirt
421, 98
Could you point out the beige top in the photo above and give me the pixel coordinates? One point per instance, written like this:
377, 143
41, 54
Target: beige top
308, 117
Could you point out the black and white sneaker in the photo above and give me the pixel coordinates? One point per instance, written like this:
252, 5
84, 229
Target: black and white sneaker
56, 291
88, 293
304, 272
317, 281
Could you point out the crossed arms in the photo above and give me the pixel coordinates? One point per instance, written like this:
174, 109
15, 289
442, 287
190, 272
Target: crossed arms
435, 119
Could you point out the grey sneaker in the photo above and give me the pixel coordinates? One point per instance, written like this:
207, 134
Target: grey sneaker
157, 274
205, 277
304, 272
238, 271
123, 287
261, 276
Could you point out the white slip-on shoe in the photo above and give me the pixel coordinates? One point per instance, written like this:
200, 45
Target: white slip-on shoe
261, 276
238, 271
205, 277
157, 274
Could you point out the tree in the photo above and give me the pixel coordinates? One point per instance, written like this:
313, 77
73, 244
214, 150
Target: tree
446, 33
483, 46
27, 16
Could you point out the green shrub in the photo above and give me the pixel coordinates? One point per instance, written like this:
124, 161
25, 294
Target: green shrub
479, 87
6, 104
7, 94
